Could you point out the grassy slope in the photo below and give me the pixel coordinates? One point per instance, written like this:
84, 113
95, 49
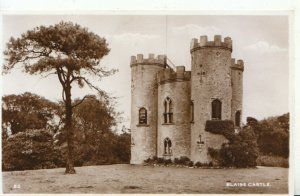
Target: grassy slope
144, 179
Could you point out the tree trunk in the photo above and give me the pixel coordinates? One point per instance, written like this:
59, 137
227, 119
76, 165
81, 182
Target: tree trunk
70, 133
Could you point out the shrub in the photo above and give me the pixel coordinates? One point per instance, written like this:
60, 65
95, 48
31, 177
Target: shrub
205, 164
103, 149
176, 160
183, 160
32, 149
241, 151
216, 156
273, 161
191, 164
160, 160
167, 161
222, 127
154, 158
147, 160
157, 160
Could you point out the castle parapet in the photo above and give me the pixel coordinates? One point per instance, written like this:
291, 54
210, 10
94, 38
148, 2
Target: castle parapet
204, 43
238, 65
169, 75
160, 60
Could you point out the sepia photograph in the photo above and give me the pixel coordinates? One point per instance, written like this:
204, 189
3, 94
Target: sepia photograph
155, 104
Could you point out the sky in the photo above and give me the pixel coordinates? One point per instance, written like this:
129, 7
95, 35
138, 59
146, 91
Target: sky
261, 41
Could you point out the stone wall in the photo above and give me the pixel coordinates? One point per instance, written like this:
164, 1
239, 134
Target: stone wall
176, 86
211, 79
237, 87
144, 94
214, 75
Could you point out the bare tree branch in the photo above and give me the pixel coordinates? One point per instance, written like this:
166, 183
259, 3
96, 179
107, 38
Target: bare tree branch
54, 73
85, 97
88, 83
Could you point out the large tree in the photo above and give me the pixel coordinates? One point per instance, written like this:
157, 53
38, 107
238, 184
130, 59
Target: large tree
67, 50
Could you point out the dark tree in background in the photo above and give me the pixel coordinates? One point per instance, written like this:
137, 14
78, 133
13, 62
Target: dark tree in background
28, 111
272, 135
33, 136
87, 116
70, 52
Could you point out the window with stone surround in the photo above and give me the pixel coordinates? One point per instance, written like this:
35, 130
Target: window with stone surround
168, 111
167, 146
143, 116
238, 118
216, 107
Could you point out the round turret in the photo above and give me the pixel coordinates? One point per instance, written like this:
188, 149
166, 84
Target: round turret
211, 92
144, 106
237, 69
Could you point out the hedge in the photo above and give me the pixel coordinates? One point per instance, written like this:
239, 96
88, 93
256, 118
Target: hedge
222, 127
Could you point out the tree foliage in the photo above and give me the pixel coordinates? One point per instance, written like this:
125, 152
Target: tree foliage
240, 151
268, 137
28, 111
31, 149
221, 127
88, 113
58, 48
95, 141
272, 135
70, 52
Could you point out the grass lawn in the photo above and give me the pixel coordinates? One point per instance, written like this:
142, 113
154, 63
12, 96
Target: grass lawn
146, 179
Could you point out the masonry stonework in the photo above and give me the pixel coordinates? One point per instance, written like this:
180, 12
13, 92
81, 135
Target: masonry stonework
144, 95
178, 102
176, 86
237, 69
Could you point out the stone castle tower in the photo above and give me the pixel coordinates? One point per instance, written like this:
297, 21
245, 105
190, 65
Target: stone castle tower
169, 108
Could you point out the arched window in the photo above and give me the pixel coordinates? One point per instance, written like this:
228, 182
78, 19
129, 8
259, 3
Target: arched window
216, 107
167, 146
192, 111
142, 116
168, 110
238, 118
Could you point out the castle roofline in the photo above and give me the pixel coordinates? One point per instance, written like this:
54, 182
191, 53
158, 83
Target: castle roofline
238, 65
216, 43
168, 75
160, 60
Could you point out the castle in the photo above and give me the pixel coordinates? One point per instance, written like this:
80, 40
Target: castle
169, 108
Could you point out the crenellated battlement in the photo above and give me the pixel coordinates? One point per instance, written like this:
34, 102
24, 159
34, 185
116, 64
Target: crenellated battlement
169, 75
160, 60
204, 43
237, 65
170, 106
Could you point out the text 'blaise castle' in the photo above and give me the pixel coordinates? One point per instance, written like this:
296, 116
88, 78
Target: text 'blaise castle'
169, 108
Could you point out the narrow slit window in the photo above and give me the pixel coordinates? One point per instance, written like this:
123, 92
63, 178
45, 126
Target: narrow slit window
142, 116
192, 111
